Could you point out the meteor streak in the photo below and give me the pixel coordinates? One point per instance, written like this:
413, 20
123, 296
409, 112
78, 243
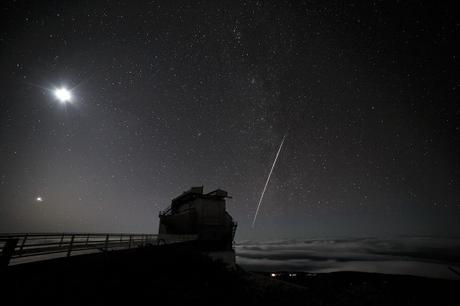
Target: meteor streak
268, 180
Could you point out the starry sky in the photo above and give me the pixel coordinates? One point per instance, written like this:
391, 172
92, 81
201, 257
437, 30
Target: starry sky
172, 94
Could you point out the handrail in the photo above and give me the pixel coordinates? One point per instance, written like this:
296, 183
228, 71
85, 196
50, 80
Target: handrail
166, 212
38, 246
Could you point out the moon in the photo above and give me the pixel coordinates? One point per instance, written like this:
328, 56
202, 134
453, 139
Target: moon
63, 95
39, 199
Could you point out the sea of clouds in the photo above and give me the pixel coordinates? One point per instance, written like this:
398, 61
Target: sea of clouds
421, 256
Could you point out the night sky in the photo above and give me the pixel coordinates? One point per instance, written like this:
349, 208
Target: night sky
167, 95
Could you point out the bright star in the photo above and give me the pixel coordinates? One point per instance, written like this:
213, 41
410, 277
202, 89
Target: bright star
63, 94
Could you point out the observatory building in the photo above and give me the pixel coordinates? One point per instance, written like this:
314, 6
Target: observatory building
204, 215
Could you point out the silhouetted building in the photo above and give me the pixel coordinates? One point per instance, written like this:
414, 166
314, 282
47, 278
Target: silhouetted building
204, 215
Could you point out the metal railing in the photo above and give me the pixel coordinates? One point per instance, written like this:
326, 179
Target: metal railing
25, 247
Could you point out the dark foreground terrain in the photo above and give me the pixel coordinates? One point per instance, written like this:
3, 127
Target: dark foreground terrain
171, 275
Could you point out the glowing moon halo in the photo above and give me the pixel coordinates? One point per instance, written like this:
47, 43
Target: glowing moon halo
63, 94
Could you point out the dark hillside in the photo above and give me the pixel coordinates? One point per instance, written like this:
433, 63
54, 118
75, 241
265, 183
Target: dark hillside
170, 275
180, 275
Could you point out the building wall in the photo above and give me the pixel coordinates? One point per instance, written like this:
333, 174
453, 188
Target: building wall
203, 216
209, 211
180, 223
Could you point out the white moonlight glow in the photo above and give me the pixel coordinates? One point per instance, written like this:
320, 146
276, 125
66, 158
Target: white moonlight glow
63, 94
39, 199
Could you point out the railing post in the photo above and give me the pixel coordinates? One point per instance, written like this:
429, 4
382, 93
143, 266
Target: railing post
87, 240
8, 251
22, 244
62, 239
70, 245
130, 238
106, 242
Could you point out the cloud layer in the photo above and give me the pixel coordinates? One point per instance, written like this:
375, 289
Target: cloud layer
420, 256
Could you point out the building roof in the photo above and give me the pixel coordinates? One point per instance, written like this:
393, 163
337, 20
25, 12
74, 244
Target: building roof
197, 192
